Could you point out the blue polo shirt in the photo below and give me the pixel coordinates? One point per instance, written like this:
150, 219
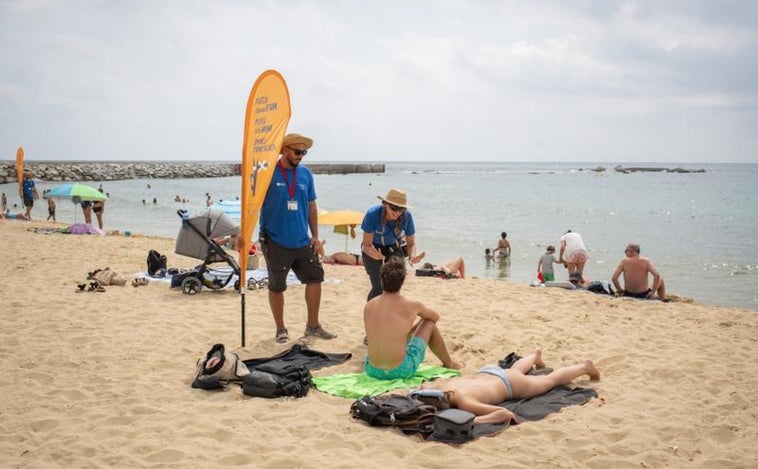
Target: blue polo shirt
288, 228
28, 185
386, 235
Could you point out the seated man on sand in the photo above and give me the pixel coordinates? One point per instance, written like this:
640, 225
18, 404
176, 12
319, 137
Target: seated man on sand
396, 346
343, 258
456, 267
481, 392
635, 269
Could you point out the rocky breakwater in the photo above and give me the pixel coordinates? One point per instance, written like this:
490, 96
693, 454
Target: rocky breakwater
100, 171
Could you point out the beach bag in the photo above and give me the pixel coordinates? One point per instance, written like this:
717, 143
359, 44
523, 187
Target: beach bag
109, 277
156, 264
603, 288
395, 410
454, 424
218, 368
277, 379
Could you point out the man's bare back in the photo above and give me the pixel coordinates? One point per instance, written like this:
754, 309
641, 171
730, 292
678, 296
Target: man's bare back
397, 345
389, 319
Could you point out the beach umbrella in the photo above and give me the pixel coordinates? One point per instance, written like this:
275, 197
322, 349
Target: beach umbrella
76, 192
232, 208
344, 221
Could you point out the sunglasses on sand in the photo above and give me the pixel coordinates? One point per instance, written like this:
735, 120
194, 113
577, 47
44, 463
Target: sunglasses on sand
298, 152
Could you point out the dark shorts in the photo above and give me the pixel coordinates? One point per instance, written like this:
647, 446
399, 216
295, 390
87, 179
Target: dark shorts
86, 204
50, 211
28, 201
279, 260
97, 208
643, 295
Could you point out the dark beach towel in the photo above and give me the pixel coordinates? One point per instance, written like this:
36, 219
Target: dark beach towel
301, 355
534, 408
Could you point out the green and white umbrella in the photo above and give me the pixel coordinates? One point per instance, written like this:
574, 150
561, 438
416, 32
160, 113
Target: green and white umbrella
76, 192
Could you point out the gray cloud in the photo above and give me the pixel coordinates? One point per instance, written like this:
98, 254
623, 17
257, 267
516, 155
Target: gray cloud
434, 80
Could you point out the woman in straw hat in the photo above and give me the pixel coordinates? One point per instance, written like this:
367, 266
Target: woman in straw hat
388, 231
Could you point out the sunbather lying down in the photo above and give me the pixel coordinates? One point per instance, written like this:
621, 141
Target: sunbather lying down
456, 267
344, 258
481, 392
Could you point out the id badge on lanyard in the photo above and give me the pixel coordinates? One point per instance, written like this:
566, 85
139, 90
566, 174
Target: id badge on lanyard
292, 203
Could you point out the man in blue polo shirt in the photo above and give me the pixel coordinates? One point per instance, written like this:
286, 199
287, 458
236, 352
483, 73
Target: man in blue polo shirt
289, 211
30, 194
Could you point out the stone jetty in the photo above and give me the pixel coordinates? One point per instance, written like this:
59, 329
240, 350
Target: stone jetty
105, 171
654, 169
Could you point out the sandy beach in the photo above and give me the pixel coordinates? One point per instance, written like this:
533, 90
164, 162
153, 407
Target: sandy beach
102, 379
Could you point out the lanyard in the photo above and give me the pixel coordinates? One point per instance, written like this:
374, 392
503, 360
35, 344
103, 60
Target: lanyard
290, 188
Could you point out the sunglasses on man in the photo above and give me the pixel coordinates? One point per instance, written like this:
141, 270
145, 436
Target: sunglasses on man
298, 152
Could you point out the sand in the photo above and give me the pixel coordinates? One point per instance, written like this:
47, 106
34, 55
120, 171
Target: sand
103, 379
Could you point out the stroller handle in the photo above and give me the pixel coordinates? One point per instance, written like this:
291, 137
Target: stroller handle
184, 216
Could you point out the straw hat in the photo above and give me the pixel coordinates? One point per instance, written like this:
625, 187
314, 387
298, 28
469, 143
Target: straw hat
395, 197
294, 139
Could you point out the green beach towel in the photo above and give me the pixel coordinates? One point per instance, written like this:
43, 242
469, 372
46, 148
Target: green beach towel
357, 385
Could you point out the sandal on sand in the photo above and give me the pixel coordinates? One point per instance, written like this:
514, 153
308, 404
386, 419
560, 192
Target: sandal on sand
80, 287
139, 282
282, 336
318, 331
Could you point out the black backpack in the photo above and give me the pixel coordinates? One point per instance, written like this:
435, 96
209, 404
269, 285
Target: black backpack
272, 380
395, 410
156, 264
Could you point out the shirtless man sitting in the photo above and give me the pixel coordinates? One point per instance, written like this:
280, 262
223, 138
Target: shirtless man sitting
636, 269
396, 346
481, 392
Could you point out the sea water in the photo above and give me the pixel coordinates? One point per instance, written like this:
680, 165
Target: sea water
698, 228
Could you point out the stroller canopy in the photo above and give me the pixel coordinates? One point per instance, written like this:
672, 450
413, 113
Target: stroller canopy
209, 225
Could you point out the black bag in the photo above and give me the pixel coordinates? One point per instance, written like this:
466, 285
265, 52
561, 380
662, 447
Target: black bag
454, 424
395, 410
603, 288
272, 380
156, 264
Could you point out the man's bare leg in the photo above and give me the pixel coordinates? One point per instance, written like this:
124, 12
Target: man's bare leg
313, 302
276, 302
428, 331
661, 290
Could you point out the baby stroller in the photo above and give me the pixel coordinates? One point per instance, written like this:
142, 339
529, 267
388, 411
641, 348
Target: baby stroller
196, 239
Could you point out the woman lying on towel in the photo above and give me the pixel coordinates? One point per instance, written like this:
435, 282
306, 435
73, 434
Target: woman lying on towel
343, 258
481, 392
455, 268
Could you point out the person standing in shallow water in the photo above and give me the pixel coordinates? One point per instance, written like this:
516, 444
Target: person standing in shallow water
388, 232
503, 248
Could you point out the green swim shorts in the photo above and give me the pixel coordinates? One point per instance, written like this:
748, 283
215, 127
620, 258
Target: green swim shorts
414, 355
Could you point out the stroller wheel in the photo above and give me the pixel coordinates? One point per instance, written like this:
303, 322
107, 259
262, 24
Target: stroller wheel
191, 286
236, 285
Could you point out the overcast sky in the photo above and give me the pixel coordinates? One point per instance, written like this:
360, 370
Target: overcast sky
640, 81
